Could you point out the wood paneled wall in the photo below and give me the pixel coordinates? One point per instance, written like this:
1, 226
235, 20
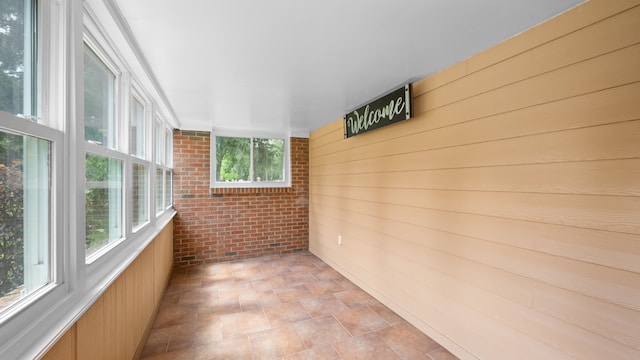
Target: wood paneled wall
116, 326
503, 219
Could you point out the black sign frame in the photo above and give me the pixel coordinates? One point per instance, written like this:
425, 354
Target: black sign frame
388, 109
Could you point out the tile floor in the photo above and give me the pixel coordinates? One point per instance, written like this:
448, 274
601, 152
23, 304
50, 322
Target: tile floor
279, 307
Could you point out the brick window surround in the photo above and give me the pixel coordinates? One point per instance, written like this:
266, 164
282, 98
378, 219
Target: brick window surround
214, 225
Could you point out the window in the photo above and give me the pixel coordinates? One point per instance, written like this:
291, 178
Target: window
140, 195
99, 101
24, 216
77, 176
164, 160
104, 186
250, 162
103, 202
18, 58
168, 181
159, 190
160, 137
138, 129
168, 148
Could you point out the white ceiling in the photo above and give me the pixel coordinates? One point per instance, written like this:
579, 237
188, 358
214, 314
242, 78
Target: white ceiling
295, 66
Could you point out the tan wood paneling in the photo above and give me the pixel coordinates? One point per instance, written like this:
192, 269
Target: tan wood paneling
619, 214
90, 338
614, 250
615, 141
503, 219
65, 347
611, 177
116, 325
585, 15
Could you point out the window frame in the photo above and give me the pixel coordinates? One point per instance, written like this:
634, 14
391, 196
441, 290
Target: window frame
31, 326
135, 94
120, 150
286, 183
54, 289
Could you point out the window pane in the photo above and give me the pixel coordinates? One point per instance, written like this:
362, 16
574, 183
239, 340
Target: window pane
167, 187
233, 159
159, 190
103, 202
168, 148
137, 129
159, 141
24, 216
140, 195
268, 159
18, 45
99, 101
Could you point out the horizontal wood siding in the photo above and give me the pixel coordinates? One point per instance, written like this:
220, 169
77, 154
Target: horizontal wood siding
503, 219
117, 325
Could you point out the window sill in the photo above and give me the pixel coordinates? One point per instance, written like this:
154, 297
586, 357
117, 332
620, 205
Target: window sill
249, 190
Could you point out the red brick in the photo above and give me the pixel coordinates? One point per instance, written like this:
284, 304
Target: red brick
245, 221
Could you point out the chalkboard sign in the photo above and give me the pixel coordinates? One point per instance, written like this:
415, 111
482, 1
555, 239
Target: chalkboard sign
386, 110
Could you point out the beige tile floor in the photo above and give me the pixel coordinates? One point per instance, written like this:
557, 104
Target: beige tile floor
279, 307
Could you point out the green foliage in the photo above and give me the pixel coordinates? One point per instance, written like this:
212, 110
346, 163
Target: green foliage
96, 200
11, 55
233, 157
268, 159
11, 213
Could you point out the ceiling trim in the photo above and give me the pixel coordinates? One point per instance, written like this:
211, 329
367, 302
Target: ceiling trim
123, 25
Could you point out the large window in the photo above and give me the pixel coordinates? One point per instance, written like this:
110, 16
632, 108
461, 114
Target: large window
77, 165
24, 216
104, 187
26, 236
250, 161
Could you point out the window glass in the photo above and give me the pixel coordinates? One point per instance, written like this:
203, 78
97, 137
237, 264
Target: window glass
167, 188
168, 148
24, 216
250, 160
99, 101
140, 195
159, 190
159, 143
18, 54
233, 159
137, 135
103, 202
268, 159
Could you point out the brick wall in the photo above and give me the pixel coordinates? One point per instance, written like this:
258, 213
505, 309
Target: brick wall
224, 224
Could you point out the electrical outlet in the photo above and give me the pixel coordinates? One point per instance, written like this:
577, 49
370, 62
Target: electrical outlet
339, 239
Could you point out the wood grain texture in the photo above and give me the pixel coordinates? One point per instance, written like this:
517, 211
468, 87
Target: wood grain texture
116, 325
504, 218
64, 348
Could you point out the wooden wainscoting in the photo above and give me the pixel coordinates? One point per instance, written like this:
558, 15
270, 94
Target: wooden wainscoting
117, 325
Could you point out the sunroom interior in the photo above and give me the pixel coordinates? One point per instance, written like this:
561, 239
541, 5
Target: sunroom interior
148, 147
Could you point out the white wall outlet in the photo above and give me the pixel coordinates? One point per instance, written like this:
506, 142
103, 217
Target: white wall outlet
339, 239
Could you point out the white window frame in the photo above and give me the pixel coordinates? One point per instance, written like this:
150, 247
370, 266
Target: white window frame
137, 95
250, 184
93, 40
33, 324
53, 290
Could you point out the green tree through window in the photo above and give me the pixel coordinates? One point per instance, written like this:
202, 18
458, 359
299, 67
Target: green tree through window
17, 51
250, 159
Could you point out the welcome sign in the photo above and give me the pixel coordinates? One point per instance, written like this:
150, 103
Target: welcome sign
386, 110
